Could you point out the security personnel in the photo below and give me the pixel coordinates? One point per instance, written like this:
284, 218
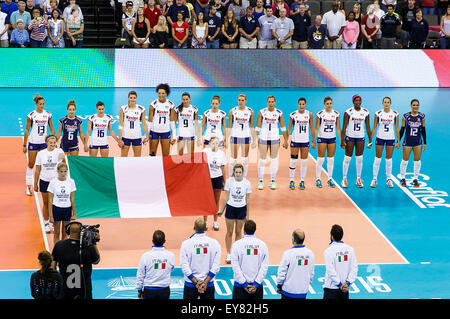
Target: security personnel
341, 266
296, 270
155, 267
250, 261
200, 263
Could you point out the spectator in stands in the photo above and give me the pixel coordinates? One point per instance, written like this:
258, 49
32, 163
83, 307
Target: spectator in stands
49, 9
20, 37
9, 7
277, 5
230, 30
214, 26
283, 29
442, 8
29, 6
201, 5
165, 7
199, 31
427, 6
379, 13
266, 38
390, 24
419, 31
341, 7
4, 26
68, 9
56, 29
370, 24
38, 27
334, 22
351, 32
46, 283
140, 30
302, 22
180, 31
221, 9
160, 33
445, 30
248, 28
172, 14
408, 14
20, 14
358, 16
316, 34
385, 3
152, 13
238, 9
74, 29
127, 21
192, 14
136, 5
258, 11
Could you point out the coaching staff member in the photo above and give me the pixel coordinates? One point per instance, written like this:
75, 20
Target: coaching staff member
249, 260
76, 270
155, 267
200, 263
296, 270
341, 266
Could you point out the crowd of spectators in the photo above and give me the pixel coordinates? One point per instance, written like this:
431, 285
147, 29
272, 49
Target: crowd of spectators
41, 24
283, 24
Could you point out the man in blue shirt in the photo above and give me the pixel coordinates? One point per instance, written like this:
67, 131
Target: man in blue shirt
214, 25
316, 34
302, 22
173, 10
248, 28
20, 14
9, 7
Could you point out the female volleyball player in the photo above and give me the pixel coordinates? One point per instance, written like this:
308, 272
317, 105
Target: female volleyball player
130, 118
161, 115
99, 123
269, 139
70, 126
215, 121
387, 121
353, 137
327, 125
188, 128
37, 120
216, 161
413, 126
302, 120
236, 202
46, 163
242, 128
61, 203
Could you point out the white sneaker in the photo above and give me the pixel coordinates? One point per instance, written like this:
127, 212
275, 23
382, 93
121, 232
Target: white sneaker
47, 228
228, 259
373, 184
29, 190
215, 225
389, 183
260, 185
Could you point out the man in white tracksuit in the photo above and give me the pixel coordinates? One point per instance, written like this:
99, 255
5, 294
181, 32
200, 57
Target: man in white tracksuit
296, 270
250, 261
200, 263
341, 266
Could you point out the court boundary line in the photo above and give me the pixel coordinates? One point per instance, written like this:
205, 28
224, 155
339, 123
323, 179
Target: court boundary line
408, 193
363, 214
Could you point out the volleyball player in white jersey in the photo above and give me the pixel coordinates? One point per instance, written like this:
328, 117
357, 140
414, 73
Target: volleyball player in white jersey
302, 120
269, 139
215, 121
387, 119
131, 117
99, 123
161, 115
34, 140
353, 137
327, 125
188, 128
241, 123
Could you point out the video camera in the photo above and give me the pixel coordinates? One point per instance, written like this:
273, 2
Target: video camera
88, 235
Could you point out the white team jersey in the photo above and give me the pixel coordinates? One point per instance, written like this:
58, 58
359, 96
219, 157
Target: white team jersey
269, 124
161, 116
214, 124
186, 121
386, 128
327, 127
132, 121
48, 162
356, 122
300, 134
39, 122
99, 136
241, 122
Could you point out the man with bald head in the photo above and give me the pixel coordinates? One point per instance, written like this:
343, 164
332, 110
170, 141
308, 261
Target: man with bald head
76, 270
200, 263
296, 270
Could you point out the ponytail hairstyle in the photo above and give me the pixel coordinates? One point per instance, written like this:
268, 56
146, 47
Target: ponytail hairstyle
45, 260
71, 102
301, 99
37, 98
180, 107
387, 97
327, 98
415, 100
99, 103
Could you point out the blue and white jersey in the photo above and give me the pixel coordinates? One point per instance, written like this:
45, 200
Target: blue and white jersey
39, 122
241, 122
99, 136
161, 116
186, 121
386, 127
214, 122
413, 131
269, 124
327, 125
70, 130
356, 122
132, 121
300, 133
155, 268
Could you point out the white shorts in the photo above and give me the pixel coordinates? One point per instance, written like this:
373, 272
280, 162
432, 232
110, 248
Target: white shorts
146, 41
272, 44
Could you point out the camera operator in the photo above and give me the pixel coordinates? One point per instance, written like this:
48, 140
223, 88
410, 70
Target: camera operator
75, 262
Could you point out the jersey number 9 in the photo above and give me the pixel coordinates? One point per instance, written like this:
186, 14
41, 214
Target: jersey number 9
185, 123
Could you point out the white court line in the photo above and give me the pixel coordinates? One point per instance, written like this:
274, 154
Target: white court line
408, 192
367, 218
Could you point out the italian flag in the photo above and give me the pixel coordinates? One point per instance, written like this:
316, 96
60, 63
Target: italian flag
160, 265
343, 258
202, 251
142, 187
303, 262
252, 251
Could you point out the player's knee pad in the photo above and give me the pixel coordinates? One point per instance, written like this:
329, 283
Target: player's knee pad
152, 153
293, 163
294, 156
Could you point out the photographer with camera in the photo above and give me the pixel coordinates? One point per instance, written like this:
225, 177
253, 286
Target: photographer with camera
75, 257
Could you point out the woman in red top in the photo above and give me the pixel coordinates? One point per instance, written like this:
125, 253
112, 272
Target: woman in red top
370, 24
180, 32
